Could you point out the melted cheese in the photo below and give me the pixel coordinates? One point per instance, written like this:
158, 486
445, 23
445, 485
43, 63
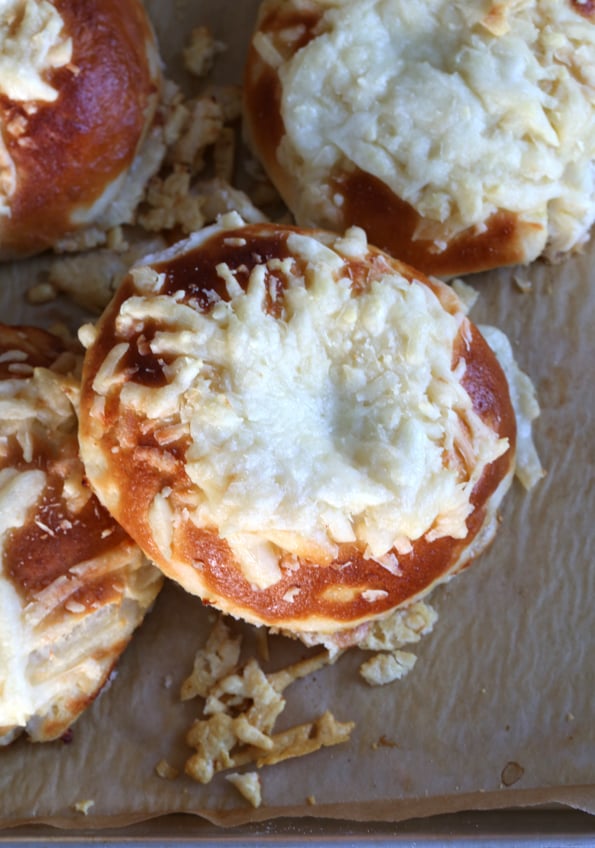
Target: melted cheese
31, 44
461, 108
54, 650
326, 426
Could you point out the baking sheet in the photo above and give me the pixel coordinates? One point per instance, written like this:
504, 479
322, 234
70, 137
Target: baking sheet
503, 687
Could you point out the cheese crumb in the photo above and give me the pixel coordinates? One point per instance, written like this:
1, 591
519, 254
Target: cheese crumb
199, 56
84, 806
248, 785
239, 715
166, 770
387, 667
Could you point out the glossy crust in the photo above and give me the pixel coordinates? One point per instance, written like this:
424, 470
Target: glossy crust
75, 583
129, 459
359, 198
69, 154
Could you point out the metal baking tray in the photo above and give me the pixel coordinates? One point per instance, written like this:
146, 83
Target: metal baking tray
547, 827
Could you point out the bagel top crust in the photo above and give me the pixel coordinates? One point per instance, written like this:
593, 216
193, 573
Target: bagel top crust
254, 414
72, 119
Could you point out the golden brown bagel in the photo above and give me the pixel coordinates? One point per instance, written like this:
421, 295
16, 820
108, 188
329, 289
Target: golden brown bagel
79, 86
73, 585
460, 136
295, 426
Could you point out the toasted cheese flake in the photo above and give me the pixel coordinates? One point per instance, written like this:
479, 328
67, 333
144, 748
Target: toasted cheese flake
440, 100
387, 667
327, 425
388, 635
248, 785
217, 659
84, 806
240, 713
201, 52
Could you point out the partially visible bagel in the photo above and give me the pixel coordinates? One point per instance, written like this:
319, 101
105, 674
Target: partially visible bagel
73, 585
295, 426
79, 85
459, 135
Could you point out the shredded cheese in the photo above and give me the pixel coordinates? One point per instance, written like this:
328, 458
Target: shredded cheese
461, 108
328, 425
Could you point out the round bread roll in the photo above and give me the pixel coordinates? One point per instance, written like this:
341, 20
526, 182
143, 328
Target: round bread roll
79, 85
460, 136
73, 585
296, 427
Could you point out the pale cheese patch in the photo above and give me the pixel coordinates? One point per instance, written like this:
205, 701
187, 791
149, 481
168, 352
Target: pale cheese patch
328, 426
387, 667
16, 692
32, 42
48, 654
458, 110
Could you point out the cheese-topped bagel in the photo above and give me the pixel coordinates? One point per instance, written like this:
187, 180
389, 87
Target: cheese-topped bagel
73, 585
293, 425
459, 135
79, 86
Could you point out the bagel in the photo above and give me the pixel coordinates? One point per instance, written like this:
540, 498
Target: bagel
73, 585
294, 426
80, 85
459, 135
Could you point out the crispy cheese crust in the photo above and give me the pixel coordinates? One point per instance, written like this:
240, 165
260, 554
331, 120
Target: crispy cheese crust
73, 585
458, 135
76, 116
258, 414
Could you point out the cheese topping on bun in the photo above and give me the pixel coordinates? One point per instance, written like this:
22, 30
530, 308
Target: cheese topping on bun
291, 409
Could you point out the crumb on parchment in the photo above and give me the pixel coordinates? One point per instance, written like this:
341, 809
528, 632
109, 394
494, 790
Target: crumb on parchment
387, 636
201, 52
242, 703
84, 806
217, 659
165, 770
248, 785
241, 708
387, 667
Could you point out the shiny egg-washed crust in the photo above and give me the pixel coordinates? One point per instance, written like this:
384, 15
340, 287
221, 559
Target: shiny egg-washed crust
129, 461
81, 584
359, 198
68, 153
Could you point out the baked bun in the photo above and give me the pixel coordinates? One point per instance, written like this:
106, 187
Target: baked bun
79, 85
459, 135
296, 427
73, 586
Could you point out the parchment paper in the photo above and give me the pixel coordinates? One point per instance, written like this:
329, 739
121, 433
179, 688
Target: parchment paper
506, 676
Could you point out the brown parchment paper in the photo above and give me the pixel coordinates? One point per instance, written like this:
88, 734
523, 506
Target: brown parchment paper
507, 676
